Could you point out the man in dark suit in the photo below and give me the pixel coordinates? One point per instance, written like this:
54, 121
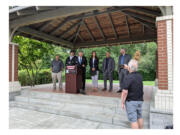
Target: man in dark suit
123, 60
82, 63
108, 68
72, 59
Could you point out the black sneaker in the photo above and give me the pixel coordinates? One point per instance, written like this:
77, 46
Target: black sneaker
119, 91
83, 92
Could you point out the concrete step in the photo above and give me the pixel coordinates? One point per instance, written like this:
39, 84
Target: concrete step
111, 102
86, 112
85, 106
95, 108
78, 98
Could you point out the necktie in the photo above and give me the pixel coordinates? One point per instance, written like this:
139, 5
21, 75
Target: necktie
80, 60
122, 59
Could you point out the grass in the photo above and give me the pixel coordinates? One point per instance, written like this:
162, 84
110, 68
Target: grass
150, 83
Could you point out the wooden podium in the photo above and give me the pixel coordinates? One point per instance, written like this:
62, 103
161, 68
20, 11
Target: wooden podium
73, 79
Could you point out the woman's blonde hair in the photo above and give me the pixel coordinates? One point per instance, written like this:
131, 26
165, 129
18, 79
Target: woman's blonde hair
137, 55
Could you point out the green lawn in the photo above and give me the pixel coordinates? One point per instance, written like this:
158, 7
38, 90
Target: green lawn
151, 83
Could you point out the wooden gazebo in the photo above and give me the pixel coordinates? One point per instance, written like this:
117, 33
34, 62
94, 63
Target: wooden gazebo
76, 27
81, 27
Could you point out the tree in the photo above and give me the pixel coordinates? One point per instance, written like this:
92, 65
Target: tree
30, 56
36, 55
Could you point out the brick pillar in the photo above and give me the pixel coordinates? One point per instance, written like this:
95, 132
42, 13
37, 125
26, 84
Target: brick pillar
162, 55
13, 68
164, 97
156, 64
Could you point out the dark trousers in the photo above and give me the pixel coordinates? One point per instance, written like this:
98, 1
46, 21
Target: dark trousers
122, 74
83, 80
107, 76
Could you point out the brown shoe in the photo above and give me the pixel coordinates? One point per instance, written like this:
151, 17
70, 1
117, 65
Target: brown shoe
110, 90
54, 89
104, 89
95, 90
60, 89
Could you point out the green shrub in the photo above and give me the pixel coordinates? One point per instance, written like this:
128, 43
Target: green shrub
23, 78
44, 76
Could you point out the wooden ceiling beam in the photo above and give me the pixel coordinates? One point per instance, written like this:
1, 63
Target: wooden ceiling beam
44, 36
147, 24
70, 28
91, 35
45, 25
77, 33
112, 24
69, 38
84, 16
41, 8
146, 11
25, 12
52, 14
58, 27
143, 17
99, 27
102, 43
143, 29
127, 24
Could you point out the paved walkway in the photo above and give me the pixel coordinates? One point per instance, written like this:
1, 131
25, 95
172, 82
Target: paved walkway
28, 119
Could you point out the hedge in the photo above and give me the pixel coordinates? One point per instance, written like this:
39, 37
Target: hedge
44, 76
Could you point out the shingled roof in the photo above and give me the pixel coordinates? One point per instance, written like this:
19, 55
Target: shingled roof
82, 27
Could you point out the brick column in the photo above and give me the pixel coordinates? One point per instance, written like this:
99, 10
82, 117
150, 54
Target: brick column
164, 96
162, 55
13, 68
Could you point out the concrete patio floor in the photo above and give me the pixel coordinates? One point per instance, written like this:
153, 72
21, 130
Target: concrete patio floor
49, 88
20, 118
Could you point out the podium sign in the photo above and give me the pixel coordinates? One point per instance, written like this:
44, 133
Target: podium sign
73, 79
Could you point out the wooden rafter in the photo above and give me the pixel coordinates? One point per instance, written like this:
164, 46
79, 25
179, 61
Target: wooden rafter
112, 24
127, 24
25, 12
143, 17
143, 29
58, 27
44, 36
147, 24
125, 40
146, 11
52, 14
45, 25
99, 27
91, 35
77, 33
70, 28
70, 37
40, 8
